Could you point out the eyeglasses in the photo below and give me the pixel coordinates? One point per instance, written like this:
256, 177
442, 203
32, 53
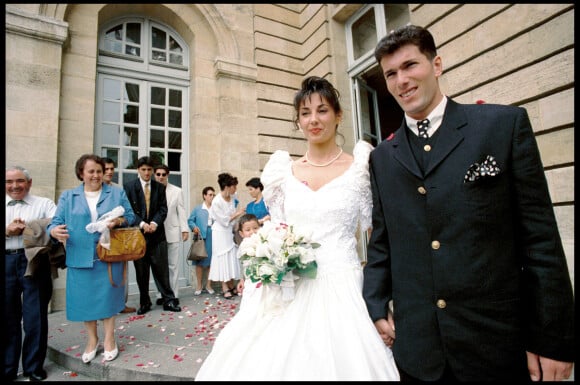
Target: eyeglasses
160, 174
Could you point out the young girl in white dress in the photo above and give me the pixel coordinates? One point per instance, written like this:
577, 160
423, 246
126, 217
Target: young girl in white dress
325, 333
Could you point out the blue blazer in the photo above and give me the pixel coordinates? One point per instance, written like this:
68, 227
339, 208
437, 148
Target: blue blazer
476, 269
73, 210
199, 218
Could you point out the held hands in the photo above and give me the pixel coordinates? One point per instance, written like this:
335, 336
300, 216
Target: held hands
386, 329
546, 369
149, 227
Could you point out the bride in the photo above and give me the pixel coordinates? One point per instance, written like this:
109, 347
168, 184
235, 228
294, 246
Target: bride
325, 332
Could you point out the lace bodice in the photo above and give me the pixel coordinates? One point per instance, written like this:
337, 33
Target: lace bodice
331, 213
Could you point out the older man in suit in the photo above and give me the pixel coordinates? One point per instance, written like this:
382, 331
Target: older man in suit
464, 240
176, 229
149, 203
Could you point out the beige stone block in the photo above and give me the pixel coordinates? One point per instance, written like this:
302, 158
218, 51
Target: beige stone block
552, 111
425, 14
557, 147
274, 93
296, 146
277, 28
279, 60
463, 18
26, 125
275, 12
556, 72
314, 41
76, 89
318, 55
276, 127
83, 45
21, 49
276, 44
342, 12
78, 110
561, 184
274, 110
322, 69
30, 106
279, 77
32, 76
495, 31
557, 110
514, 54
79, 67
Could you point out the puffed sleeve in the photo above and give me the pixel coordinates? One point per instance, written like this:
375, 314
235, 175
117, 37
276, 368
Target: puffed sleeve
361, 153
273, 177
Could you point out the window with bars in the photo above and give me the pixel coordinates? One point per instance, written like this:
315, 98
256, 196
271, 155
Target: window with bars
142, 83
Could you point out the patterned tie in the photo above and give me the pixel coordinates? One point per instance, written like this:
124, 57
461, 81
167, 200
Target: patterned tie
147, 197
15, 202
422, 126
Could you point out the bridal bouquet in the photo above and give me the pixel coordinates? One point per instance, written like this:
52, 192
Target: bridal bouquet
276, 252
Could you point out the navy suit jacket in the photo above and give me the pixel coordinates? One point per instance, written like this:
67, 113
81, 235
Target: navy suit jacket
476, 270
157, 208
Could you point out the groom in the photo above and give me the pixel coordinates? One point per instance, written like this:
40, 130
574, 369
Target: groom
464, 237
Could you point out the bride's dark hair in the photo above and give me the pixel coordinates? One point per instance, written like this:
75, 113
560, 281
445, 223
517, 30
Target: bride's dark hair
323, 87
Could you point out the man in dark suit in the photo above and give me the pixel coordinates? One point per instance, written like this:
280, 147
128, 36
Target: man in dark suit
150, 217
464, 240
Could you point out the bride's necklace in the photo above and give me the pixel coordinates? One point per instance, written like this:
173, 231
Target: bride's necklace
323, 164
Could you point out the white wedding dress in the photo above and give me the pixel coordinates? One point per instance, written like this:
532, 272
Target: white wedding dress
325, 332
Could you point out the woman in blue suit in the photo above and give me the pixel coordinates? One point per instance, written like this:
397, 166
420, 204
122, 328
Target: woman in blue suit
200, 223
90, 295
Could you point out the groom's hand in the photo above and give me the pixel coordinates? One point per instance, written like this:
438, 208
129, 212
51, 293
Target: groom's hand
546, 369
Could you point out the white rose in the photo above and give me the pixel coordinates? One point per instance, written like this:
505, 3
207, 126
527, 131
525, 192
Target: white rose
263, 250
306, 255
266, 269
303, 235
275, 242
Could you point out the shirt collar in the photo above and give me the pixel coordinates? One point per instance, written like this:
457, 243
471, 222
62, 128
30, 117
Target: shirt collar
435, 118
26, 199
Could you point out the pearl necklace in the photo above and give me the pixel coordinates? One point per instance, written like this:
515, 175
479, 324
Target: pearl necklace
323, 164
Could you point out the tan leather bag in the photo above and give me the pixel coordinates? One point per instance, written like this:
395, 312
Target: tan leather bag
127, 244
197, 250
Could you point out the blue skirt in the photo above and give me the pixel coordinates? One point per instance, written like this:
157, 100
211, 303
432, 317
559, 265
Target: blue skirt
90, 295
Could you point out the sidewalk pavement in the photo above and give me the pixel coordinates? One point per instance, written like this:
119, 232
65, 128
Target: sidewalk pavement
156, 346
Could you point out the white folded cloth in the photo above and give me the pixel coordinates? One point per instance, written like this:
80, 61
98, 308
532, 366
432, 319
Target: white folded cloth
101, 225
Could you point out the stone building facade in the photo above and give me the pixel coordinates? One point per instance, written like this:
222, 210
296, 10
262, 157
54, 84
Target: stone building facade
208, 88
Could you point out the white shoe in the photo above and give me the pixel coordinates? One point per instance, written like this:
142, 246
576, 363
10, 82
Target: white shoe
110, 356
88, 357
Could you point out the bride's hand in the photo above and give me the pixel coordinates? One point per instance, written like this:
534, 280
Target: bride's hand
386, 330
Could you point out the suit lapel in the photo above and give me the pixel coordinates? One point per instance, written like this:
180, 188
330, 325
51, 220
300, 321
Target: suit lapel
449, 134
403, 153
